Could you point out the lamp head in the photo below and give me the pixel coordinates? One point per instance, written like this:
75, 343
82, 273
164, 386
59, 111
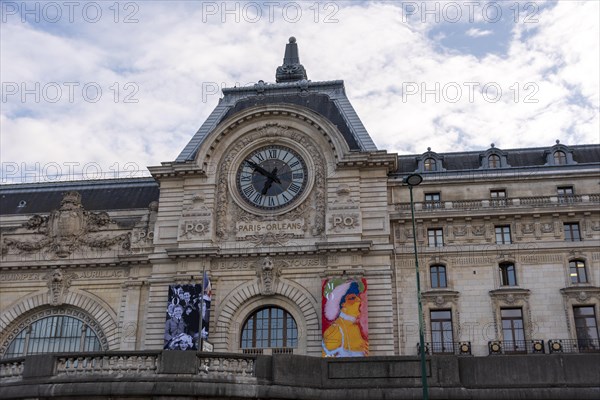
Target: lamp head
413, 180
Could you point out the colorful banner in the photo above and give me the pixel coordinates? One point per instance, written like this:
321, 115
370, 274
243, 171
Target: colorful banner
183, 323
345, 318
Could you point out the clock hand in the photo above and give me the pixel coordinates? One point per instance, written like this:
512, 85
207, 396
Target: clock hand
269, 181
263, 171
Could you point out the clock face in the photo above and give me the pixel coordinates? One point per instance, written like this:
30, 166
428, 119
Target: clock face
271, 177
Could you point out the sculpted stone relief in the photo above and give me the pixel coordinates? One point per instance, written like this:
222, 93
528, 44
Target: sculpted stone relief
307, 218
66, 230
195, 222
344, 214
59, 282
268, 274
142, 236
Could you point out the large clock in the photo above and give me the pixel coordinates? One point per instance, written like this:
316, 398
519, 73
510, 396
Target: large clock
271, 177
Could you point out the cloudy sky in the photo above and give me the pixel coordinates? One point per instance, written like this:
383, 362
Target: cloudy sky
118, 86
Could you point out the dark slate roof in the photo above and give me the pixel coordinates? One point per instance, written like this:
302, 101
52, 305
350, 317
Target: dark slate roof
327, 99
516, 158
113, 194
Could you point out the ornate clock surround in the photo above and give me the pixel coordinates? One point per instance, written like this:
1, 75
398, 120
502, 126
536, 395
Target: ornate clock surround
269, 140
309, 206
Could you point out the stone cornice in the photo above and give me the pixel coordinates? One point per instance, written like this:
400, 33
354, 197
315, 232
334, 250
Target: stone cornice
176, 170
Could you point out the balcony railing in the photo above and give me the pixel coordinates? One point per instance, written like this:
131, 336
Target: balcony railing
269, 351
457, 348
534, 346
537, 201
574, 346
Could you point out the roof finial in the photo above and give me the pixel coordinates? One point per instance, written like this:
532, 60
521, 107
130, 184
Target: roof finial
493, 145
291, 70
429, 149
557, 141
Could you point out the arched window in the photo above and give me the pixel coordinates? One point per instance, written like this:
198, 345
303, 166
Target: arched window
560, 158
429, 164
494, 161
54, 334
270, 327
437, 274
508, 274
577, 271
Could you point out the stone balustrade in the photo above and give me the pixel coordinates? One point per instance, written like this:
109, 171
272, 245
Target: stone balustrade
499, 204
104, 364
188, 375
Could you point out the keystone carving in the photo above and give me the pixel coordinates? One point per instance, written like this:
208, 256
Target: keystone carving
58, 285
268, 275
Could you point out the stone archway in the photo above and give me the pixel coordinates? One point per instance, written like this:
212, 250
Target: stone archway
247, 297
85, 306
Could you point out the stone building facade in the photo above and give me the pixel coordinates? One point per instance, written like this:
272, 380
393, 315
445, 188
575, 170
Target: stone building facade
507, 238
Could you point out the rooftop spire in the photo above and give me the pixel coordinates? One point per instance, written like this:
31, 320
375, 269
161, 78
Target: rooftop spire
291, 70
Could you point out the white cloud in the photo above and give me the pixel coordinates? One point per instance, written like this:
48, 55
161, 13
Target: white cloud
476, 32
173, 61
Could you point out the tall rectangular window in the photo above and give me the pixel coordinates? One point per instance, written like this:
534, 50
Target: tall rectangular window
435, 237
441, 331
586, 328
577, 271
572, 232
433, 200
437, 273
498, 197
513, 330
508, 274
503, 234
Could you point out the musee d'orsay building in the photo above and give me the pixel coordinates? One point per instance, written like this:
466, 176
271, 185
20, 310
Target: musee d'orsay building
281, 241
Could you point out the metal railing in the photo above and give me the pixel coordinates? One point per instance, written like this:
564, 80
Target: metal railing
268, 351
534, 346
456, 348
574, 345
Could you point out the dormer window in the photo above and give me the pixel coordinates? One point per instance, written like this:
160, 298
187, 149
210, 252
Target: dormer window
560, 158
494, 161
493, 158
429, 164
559, 154
430, 161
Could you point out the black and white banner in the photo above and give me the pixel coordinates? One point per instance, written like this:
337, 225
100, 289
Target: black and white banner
183, 322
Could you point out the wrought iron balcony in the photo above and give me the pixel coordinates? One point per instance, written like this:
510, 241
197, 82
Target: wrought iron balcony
457, 348
574, 345
534, 346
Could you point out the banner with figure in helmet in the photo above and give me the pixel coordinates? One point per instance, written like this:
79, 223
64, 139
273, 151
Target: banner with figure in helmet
184, 324
345, 318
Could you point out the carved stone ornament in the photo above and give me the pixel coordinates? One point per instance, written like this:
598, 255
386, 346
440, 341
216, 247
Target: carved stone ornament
268, 275
142, 235
195, 220
528, 229
311, 210
510, 296
66, 230
439, 298
460, 230
478, 230
580, 294
58, 282
547, 227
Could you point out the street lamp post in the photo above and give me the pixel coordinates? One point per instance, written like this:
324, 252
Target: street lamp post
414, 180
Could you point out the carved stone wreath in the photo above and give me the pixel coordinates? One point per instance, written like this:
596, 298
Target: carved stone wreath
271, 130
